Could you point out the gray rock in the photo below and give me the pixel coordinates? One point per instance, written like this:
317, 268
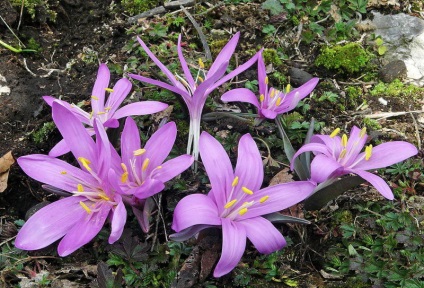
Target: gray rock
298, 77
394, 70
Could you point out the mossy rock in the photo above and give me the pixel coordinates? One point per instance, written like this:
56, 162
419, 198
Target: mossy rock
134, 7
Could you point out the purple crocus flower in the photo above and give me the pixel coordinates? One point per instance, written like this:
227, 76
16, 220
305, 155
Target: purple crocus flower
106, 111
144, 171
80, 217
337, 156
196, 90
272, 102
236, 202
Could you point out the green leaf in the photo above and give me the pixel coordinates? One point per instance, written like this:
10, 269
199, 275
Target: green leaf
382, 50
273, 6
379, 41
269, 29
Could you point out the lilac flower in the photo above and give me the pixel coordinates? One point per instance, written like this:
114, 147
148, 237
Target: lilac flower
337, 156
272, 102
106, 111
196, 90
94, 188
144, 171
236, 202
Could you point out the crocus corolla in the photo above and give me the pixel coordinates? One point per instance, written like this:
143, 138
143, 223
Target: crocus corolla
337, 156
196, 90
106, 111
236, 202
80, 217
143, 170
272, 101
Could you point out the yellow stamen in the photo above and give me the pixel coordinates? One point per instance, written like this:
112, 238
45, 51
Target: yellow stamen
368, 152
94, 97
101, 113
335, 133
288, 88
201, 64
242, 211
344, 140
110, 90
80, 188
272, 94
363, 132
124, 167
247, 191
145, 164
124, 177
91, 114
262, 98
235, 182
200, 78
343, 153
159, 167
104, 197
266, 80
278, 103
85, 162
263, 199
85, 207
230, 204
63, 172
108, 108
139, 152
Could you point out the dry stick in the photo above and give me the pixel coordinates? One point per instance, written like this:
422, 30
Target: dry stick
210, 9
199, 31
417, 132
390, 114
158, 217
20, 15
10, 29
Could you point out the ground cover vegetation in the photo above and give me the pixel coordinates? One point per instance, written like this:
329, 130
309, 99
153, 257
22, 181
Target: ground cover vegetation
128, 202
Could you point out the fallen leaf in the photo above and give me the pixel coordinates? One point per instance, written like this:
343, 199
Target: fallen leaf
284, 176
5, 162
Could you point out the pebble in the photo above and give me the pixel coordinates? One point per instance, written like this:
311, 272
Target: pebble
394, 70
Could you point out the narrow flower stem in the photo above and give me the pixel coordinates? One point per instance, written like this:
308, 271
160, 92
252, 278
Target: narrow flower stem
218, 115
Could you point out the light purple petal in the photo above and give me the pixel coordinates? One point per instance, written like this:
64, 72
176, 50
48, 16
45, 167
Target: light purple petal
387, 154
377, 182
193, 210
119, 217
78, 112
172, 168
322, 167
103, 147
224, 55
187, 73
59, 149
314, 147
49, 100
263, 235
50, 223
242, 95
268, 113
130, 142
140, 108
160, 145
334, 145
188, 233
143, 212
121, 90
149, 188
355, 144
233, 246
305, 89
102, 82
111, 123
218, 168
261, 74
249, 166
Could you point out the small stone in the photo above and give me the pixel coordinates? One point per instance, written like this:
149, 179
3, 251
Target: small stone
298, 77
394, 70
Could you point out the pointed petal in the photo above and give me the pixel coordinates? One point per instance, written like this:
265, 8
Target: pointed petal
377, 182
268, 113
59, 149
103, 154
188, 233
121, 90
149, 188
193, 210
50, 223
183, 62
78, 112
160, 145
334, 146
172, 168
354, 145
130, 142
49, 100
261, 74
218, 168
383, 155
102, 82
305, 89
313, 147
119, 217
140, 108
142, 212
263, 235
233, 246
242, 95
224, 55
249, 166
322, 167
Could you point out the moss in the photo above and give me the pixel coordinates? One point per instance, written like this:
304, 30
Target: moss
350, 58
216, 46
35, 6
353, 96
138, 6
344, 217
371, 124
271, 56
42, 134
396, 89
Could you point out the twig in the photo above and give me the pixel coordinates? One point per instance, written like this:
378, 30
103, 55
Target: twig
200, 32
20, 15
218, 115
10, 29
417, 132
210, 9
390, 114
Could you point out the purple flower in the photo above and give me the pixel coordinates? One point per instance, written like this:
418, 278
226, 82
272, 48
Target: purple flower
77, 218
106, 111
196, 90
143, 170
236, 202
337, 156
272, 102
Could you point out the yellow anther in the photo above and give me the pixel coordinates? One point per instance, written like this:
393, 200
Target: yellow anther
85, 207
344, 140
278, 103
124, 177
230, 204
200, 78
63, 172
104, 197
201, 64
368, 152
266, 80
139, 152
159, 167
101, 113
85, 162
124, 167
363, 132
263, 199
91, 114
262, 98
247, 191
288, 88
235, 182
110, 90
343, 153
335, 133
242, 211
145, 164
94, 97
108, 108
272, 93
80, 188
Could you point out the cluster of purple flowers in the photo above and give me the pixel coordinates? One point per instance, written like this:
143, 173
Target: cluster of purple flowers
106, 182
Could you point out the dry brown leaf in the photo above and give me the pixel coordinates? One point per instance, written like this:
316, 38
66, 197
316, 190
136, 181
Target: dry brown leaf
281, 177
5, 162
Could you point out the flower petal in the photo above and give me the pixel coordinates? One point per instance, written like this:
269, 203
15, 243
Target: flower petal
261, 74
183, 62
103, 149
140, 108
249, 166
149, 188
314, 147
160, 145
121, 90
263, 234
268, 113
99, 89
50, 223
119, 217
188, 233
142, 212
172, 168
224, 55
130, 142
242, 95
322, 167
233, 246
59, 149
375, 181
78, 112
193, 210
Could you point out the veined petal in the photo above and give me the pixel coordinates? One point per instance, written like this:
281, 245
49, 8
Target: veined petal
218, 168
305, 89
183, 62
140, 108
224, 55
242, 95
334, 146
83, 231
261, 74
59, 149
121, 90
188, 233
249, 166
355, 144
149, 188
102, 82
160, 145
313, 147
322, 167
83, 116
387, 154
375, 181
130, 142
233, 246
172, 168
50, 223
263, 235
119, 217
193, 210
